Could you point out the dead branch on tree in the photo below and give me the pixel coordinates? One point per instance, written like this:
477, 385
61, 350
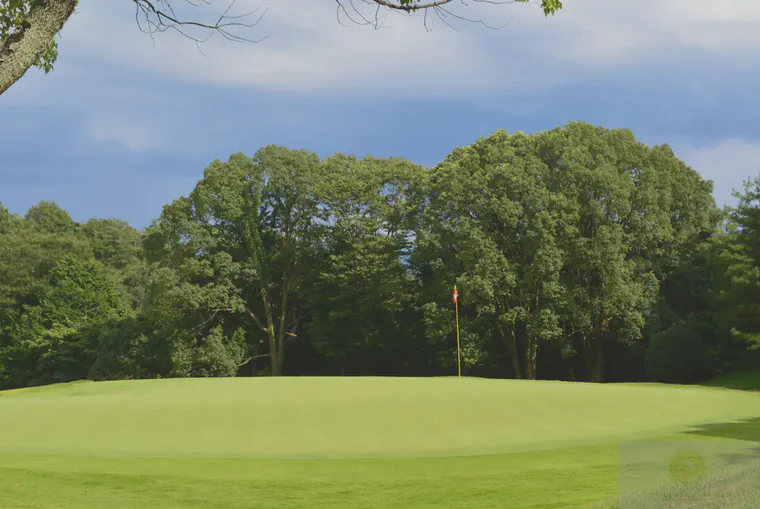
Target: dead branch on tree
434, 9
160, 15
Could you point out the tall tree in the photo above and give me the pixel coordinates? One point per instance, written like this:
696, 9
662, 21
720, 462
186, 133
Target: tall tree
360, 296
630, 209
493, 225
6, 218
28, 255
50, 217
81, 299
574, 246
741, 287
236, 243
114, 242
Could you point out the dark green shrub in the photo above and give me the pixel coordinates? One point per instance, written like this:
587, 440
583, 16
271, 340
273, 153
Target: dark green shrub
677, 355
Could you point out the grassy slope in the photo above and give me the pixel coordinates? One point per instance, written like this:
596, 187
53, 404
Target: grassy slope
741, 380
556, 442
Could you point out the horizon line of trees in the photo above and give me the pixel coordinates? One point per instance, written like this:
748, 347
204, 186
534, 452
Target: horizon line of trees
579, 253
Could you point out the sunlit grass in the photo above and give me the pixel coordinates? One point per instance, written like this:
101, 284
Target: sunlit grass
339, 442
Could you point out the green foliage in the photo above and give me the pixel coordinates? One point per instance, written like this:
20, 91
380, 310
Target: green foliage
491, 228
548, 6
62, 330
114, 243
55, 299
740, 380
360, 296
124, 353
6, 218
49, 217
27, 254
677, 355
214, 355
579, 253
235, 247
742, 258
630, 210
14, 15
80, 291
561, 236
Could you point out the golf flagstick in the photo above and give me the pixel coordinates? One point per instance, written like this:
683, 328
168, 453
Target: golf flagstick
455, 298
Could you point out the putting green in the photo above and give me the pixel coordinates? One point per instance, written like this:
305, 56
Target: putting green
348, 417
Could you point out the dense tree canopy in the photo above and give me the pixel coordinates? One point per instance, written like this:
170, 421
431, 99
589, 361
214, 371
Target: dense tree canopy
360, 294
579, 253
236, 247
28, 27
742, 271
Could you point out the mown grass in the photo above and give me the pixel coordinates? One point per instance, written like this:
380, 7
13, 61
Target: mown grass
740, 380
333, 442
734, 486
540, 479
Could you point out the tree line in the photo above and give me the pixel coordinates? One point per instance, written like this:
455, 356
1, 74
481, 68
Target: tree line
579, 254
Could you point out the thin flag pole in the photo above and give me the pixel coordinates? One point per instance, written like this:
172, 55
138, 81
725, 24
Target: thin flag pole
459, 355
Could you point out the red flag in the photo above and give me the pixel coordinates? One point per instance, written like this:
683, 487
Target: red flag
455, 296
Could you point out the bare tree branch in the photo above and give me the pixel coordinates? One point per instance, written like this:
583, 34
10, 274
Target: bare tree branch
31, 41
440, 9
410, 6
256, 319
155, 16
249, 359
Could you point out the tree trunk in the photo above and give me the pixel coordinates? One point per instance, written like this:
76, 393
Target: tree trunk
511, 342
273, 350
26, 45
594, 355
531, 352
281, 332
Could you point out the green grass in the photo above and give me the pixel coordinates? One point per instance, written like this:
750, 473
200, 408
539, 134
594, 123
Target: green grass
730, 485
340, 442
741, 380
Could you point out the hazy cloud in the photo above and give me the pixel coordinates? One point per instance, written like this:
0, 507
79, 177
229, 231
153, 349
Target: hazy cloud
310, 51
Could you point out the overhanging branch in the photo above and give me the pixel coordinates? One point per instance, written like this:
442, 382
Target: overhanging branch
411, 6
154, 16
440, 9
24, 48
31, 40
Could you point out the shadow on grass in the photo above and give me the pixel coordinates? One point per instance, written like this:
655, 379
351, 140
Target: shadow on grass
740, 380
747, 429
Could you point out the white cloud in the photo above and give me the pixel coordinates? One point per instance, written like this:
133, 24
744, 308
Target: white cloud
135, 134
617, 31
310, 51
727, 163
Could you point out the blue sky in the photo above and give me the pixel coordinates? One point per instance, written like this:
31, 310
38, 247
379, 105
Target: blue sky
125, 124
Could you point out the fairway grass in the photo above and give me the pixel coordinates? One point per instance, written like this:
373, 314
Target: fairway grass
740, 380
340, 442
